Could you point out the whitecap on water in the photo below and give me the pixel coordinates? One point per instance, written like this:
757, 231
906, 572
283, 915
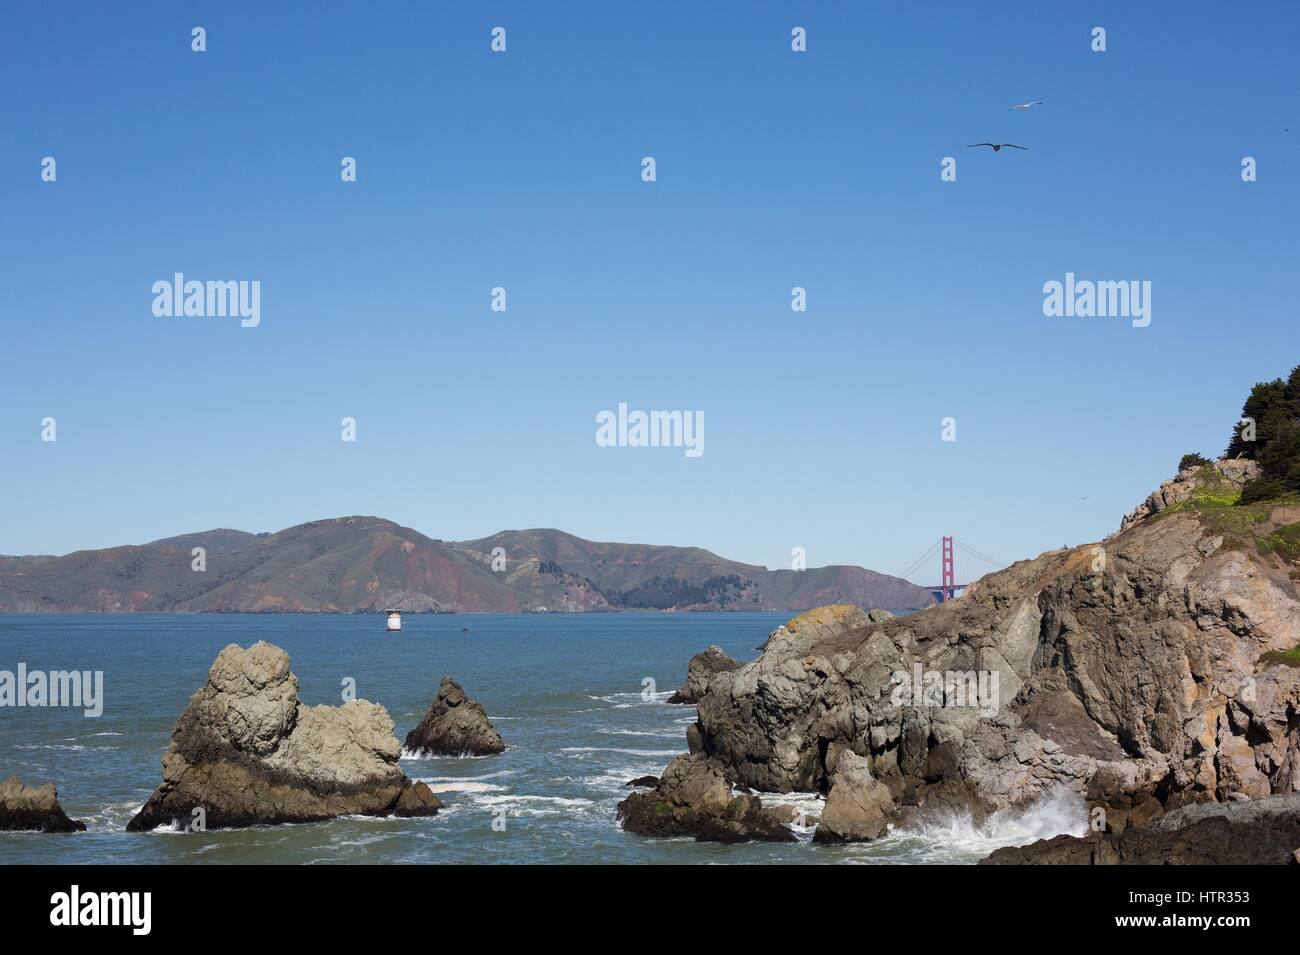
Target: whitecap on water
411, 754
620, 700
462, 786
625, 752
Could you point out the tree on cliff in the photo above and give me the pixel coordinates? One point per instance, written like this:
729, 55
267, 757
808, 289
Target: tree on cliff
1269, 432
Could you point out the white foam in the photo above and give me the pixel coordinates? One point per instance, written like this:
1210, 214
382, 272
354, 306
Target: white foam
550, 800
625, 752
626, 699
420, 754
1058, 812
463, 786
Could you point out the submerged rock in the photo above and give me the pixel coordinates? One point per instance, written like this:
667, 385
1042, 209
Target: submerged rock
701, 669
33, 808
246, 752
693, 798
455, 725
859, 806
1251, 832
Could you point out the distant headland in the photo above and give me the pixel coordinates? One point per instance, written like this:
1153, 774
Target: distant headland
368, 564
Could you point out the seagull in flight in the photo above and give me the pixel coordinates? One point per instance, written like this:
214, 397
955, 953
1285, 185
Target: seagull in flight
1037, 102
996, 146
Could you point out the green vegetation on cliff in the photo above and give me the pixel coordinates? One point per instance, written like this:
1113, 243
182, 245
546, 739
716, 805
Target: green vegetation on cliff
1269, 433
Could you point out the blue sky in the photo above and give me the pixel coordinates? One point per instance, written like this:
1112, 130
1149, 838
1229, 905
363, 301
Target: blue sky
775, 169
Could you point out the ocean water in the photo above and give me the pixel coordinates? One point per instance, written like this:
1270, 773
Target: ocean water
567, 692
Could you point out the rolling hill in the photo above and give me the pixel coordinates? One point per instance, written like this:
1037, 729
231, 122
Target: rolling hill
362, 564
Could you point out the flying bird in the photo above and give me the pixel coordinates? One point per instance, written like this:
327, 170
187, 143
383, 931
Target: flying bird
996, 146
1037, 102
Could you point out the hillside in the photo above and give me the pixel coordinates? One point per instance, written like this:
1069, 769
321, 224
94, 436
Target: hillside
353, 564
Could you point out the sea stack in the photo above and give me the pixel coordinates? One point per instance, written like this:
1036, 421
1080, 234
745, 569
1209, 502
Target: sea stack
455, 725
33, 808
246, 751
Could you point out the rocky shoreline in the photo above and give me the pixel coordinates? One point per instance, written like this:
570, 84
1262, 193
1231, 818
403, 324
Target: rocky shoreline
1251, 832
1151, 673
1154, 675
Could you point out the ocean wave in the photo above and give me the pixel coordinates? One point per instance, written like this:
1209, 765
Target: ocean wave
625, 752
463, 786
663, 734
647, 699
420, 755
950, 833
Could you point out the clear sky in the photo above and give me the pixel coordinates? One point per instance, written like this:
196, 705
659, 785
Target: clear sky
522, 170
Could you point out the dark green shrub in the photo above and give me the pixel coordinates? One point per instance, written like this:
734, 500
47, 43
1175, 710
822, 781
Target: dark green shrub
1274, 409
1192, 460
1261, 489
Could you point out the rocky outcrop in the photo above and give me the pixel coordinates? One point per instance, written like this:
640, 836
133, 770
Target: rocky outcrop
455, 725
1147, 671
1255, 832
246, 751
819, 622
859, 806
701, 669
33, 808
693, 798
1228, 475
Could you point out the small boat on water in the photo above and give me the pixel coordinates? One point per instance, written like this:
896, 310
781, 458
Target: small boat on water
394, 620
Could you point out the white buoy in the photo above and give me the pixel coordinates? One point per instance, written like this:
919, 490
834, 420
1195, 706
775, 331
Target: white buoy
394, 621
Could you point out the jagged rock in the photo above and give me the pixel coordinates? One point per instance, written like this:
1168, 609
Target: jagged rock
1254, 832
819, 622
417, 800
694, 741
693, 798
648, 782
455, 725
1235, 473
246, 751
1137, 671
859, 806
33, 807
701, 668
